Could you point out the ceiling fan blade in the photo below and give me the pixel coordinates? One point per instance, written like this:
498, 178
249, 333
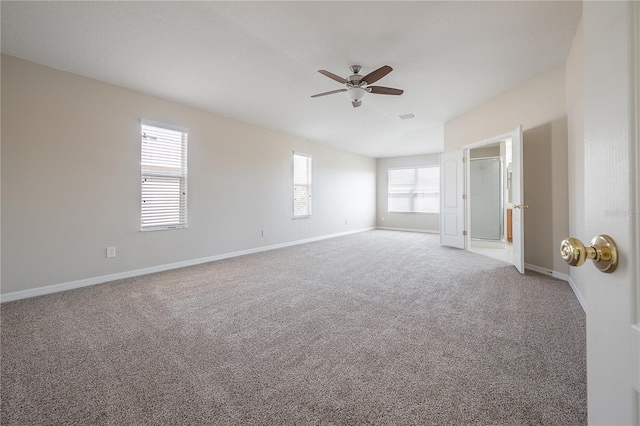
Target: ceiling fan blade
329, 93
385, 90
377, 74
356, 104
333, 76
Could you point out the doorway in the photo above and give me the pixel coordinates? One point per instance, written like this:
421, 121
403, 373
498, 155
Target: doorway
455, 216
489, 199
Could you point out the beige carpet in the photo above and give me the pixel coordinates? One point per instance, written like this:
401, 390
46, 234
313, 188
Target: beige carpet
379, 327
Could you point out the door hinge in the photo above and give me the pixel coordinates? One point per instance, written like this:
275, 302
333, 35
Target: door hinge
464, 159
464, 233
464, 196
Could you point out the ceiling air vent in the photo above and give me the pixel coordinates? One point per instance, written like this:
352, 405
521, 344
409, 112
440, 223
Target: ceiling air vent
406, 116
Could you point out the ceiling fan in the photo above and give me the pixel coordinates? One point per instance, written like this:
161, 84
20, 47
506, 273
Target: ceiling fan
358, 85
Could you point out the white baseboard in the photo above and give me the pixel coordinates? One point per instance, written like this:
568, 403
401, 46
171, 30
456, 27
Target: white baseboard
55, 288
579, 295
563, 277
545, 271
426, 231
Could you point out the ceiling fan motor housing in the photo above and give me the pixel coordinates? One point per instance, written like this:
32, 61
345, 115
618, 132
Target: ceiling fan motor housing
355, 79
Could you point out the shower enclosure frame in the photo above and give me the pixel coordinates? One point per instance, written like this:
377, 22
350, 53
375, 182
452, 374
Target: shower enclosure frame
501, 205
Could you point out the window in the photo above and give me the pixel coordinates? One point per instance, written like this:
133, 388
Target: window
301, 185
163, 169
414, 190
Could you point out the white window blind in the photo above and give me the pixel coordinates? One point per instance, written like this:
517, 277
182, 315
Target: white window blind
414, 190
301, 185
163, 169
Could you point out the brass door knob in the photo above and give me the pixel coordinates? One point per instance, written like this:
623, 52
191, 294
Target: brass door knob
602, 251
521, 206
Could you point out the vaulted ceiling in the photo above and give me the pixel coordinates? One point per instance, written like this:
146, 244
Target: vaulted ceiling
258, 61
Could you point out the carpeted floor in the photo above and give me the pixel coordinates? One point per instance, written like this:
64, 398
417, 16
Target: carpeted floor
379, 327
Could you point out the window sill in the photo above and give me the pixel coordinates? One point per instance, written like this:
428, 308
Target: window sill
420, 213
163, 228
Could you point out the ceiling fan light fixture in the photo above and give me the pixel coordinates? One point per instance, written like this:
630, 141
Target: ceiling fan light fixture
355, 94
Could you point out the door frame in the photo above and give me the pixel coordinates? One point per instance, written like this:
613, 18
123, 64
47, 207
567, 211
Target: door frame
518, 215
467, 177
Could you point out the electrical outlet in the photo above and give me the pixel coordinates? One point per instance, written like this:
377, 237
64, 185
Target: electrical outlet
264, 232
381, 218
111, 252
346, 222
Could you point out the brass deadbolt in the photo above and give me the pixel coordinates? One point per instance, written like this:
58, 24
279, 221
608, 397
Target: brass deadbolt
602, 251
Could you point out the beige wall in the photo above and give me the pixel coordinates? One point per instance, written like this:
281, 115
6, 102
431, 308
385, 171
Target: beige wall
71, 181
575, 119
539, 105
411, 221
535, 102
545, 188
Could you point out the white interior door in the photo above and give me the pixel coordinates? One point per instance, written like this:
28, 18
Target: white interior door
451, 202
517, 193
612, 62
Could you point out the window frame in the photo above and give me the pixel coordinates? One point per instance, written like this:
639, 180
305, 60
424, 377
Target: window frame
309, 185
182, 176
412, 199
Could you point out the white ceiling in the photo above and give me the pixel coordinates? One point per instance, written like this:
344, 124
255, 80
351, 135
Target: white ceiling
258, 61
